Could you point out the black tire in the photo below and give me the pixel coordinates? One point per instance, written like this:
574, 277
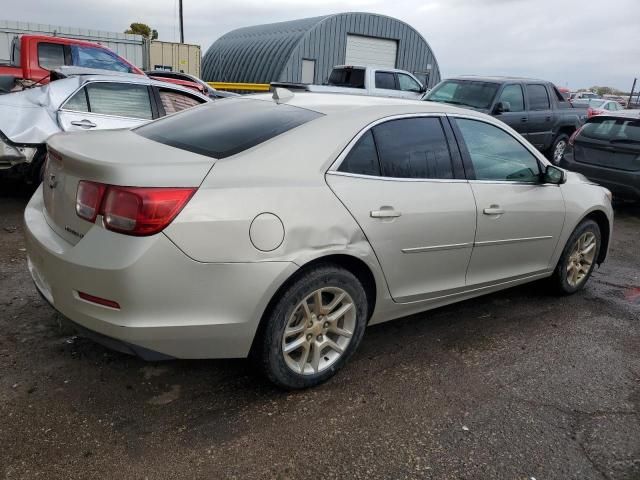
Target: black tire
269, 352
561, 141
558, 280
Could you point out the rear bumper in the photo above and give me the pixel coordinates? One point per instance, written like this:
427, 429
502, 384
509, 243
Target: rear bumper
169, 303
623, 184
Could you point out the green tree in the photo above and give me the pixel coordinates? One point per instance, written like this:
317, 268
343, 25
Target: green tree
143, 29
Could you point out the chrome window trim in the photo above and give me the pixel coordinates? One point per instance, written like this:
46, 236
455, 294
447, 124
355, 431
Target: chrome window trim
398, 179
333, 169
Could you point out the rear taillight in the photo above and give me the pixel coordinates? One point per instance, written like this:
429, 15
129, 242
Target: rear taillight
573, 136
136, 211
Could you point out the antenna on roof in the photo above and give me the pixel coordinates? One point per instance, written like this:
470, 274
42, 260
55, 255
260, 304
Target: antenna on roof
282, 95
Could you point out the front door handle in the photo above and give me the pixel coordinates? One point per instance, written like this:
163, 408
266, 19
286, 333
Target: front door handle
493, 210
84, 123
524, 119
387, 212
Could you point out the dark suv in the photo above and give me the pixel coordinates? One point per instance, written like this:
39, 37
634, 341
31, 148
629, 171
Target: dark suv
534, 108
607, 150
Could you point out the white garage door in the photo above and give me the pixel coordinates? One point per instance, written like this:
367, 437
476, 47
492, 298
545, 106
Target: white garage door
380, 52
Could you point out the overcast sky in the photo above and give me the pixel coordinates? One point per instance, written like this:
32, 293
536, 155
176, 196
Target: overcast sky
574, 43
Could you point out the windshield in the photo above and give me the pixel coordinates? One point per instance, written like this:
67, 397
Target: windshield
470, 93
223, 129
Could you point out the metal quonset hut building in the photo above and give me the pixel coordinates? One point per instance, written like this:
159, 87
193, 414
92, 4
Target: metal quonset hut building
305, 50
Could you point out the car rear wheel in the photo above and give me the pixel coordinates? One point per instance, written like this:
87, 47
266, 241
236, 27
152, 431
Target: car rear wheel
313, 328
556, 152
578, 258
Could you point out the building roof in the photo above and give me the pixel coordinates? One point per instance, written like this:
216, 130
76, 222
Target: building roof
259, 51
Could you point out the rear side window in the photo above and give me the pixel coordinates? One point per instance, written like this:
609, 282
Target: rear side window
363, 157
173, 101
385, 80
50, 55
120, 99
620, 130
538, 97
413, 148
347, 77
222, 129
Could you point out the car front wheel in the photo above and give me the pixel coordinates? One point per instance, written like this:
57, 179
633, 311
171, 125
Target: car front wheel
314, 327
578, 258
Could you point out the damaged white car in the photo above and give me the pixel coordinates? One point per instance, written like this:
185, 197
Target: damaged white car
80, 102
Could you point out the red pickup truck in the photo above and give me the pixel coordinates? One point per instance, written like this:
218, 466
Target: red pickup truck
33, 56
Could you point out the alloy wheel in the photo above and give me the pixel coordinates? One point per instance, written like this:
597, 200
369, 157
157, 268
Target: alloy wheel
581, 258
558, 152
319, 330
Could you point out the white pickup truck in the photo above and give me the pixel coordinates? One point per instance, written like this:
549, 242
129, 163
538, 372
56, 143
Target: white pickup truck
359, 80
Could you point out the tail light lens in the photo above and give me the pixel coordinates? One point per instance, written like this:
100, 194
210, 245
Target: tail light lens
139, 211
573, 136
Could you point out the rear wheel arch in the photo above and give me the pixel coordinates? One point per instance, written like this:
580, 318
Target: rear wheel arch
350, 263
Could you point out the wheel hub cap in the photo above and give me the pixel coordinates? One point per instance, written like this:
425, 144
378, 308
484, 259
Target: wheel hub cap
319, 330
581, 259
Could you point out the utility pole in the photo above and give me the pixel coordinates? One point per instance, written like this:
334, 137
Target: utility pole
181, 23
630, 95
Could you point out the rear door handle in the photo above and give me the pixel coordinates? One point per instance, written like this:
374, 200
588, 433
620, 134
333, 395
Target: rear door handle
84, 123
524, 119
493, 210
384, 213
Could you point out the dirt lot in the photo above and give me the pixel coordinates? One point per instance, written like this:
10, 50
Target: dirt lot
515, 385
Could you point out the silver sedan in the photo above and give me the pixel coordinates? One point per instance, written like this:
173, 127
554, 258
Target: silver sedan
279, 228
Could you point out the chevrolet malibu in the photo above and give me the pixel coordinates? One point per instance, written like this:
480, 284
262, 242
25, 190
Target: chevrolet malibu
279, 228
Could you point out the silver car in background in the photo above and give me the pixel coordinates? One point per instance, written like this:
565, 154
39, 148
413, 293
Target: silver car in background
279, 228
85, 100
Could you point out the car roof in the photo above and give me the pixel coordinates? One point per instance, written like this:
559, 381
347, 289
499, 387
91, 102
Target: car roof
372, 67
336, 103
496, 79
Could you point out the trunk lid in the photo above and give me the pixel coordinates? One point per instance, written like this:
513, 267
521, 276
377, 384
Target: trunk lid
114, 157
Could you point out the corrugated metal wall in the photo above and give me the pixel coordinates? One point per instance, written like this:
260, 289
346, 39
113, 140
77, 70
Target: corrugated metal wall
274, 52
128, 46
327, 43
179, 56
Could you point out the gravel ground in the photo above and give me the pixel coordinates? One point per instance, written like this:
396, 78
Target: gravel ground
515, 385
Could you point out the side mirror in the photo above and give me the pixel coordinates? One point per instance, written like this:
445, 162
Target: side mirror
554, 175
502, 107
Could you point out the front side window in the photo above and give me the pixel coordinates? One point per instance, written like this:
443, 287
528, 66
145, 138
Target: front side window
538, 97
408, 84
223, 129
363, 157
173, 101
413, 148
496, 155
385, 80
50, 55
121, 99
512, 94
92, 57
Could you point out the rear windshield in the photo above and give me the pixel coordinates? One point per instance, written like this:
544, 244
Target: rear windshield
615, 130
226, 128
347, 77
465, 92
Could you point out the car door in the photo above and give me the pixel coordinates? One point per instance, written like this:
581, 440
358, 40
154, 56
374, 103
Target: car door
107, 105
540, 123
409, 86
519, 218
402, 181
513, 113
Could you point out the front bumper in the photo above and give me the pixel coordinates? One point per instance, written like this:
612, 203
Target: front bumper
169, 303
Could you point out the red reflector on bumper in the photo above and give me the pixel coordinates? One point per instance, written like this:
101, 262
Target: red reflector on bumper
100, 301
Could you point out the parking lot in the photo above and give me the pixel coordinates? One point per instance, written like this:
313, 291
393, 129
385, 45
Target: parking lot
519, 385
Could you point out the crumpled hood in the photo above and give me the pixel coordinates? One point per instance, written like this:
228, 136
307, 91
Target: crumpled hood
30, 116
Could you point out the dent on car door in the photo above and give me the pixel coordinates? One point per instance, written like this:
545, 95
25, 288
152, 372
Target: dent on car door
402, 183
106, 105
519, 217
